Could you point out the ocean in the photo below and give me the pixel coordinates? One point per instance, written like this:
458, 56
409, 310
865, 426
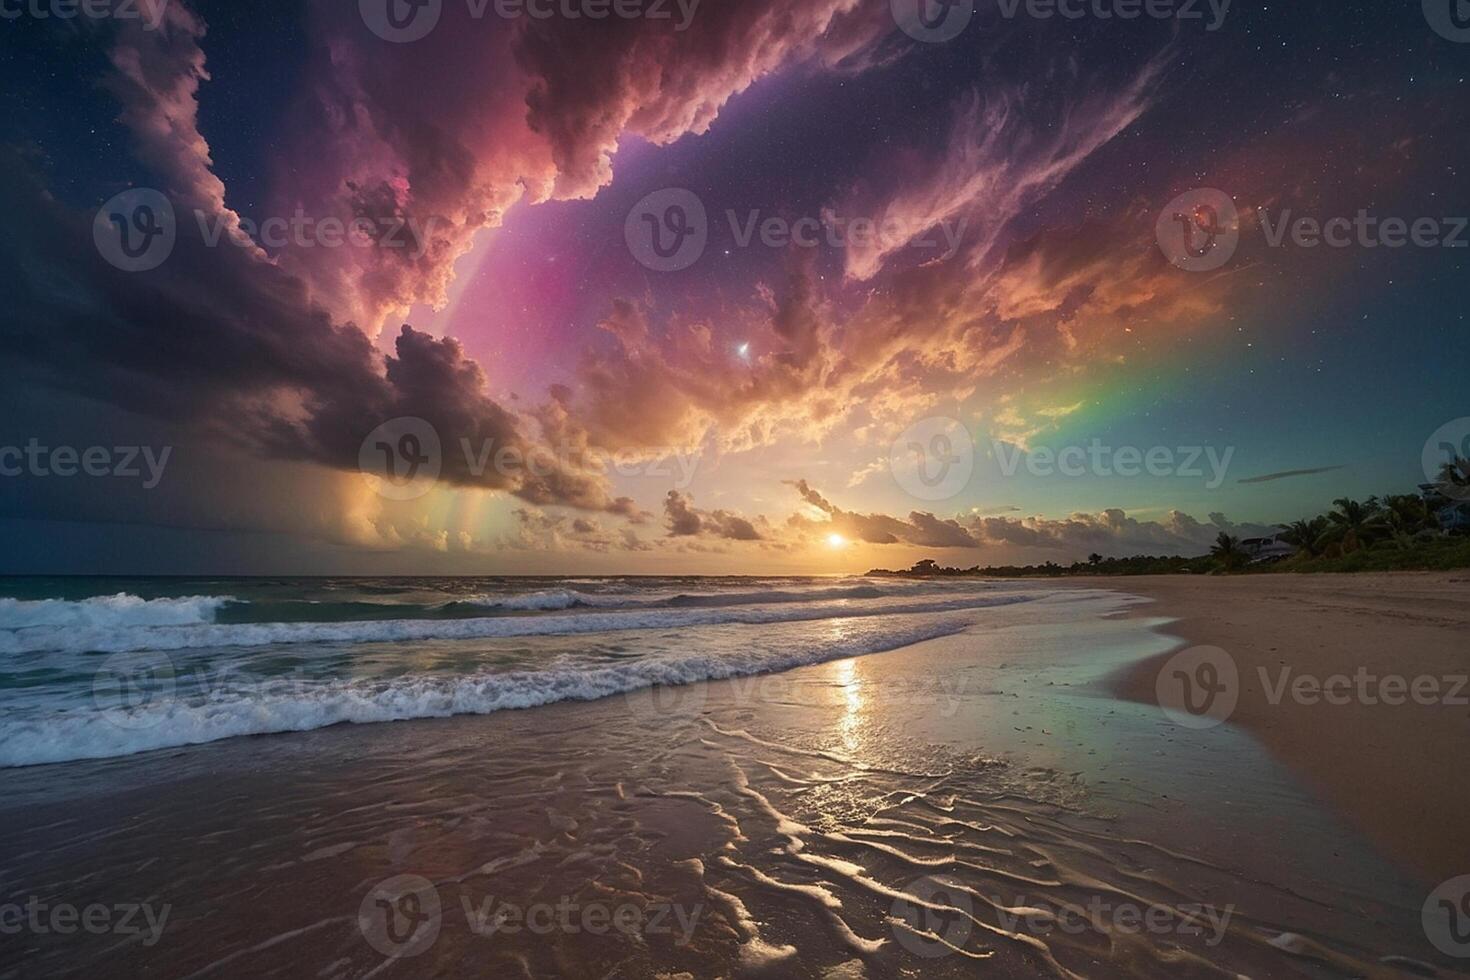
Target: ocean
93, 668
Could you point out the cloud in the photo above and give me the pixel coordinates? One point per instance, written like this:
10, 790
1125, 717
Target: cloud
539, 111
997, 160
920, 528
661, 390
930, 331
1288, 474
361, 141
275, 352
156, 76
684, 520
811, 496
1111, 531
537, 530
661, 84
235, 347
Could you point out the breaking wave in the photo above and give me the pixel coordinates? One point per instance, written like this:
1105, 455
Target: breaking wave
173, 718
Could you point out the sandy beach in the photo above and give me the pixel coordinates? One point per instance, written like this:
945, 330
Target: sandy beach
1393, 762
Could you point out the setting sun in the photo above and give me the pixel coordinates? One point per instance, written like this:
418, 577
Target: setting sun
836, 541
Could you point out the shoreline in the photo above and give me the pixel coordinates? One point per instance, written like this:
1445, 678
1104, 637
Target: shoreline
1391, 769
806, 821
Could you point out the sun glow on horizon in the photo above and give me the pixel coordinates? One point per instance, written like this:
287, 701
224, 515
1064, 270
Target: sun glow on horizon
836, 541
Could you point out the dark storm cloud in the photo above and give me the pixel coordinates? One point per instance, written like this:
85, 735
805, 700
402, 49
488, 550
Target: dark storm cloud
233, 345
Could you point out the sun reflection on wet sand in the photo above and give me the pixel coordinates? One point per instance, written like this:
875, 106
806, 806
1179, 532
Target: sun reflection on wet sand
845, 675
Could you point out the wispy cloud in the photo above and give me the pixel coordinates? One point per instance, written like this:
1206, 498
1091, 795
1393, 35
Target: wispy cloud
1288, 474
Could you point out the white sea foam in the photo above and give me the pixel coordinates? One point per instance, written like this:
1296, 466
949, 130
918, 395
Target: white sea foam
115, 638
103, 612
552, 600
559, 599
169, 721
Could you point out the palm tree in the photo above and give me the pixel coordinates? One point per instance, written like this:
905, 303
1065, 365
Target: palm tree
1352, 524
1226, 551
1407, 513
1304, 534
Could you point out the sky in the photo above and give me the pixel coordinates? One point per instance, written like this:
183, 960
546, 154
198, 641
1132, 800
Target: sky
720, 287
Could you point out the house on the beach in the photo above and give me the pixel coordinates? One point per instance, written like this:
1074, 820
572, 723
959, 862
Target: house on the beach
1274, 548
1453, 513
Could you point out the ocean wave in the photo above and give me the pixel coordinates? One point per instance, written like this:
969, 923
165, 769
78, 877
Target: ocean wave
687, 599
560, 599
113, 638
103, 612
550, 600
70, 735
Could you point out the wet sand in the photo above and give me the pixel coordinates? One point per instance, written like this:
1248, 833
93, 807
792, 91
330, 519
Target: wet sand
977, 803
1400, 772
